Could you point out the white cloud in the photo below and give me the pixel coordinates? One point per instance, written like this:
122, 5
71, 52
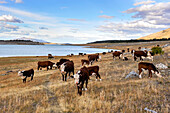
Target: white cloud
18, 1
9, 18
147, 19
106, 16
24, 13
13, 27
74, 19
143, 2
3, 2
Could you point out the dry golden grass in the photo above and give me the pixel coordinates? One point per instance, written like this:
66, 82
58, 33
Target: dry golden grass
48, 93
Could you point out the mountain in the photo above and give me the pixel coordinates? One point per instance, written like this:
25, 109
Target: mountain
159, 35
32, 39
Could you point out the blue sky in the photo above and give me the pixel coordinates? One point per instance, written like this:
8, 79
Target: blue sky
82, 21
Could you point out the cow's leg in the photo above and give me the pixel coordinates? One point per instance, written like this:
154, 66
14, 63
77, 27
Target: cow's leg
51, 67
113, 58
140, 73
38, 67
82, 85
32, 77
24, 80
47, 68
63, 76
119, 57
66, 76
99, 76
86, 84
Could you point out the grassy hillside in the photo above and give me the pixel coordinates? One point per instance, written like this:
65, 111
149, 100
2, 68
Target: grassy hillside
47, 93
159, 35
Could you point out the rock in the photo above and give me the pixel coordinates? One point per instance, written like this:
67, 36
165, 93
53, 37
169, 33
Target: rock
131, 74
161, 66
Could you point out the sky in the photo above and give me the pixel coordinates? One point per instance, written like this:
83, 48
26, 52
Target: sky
82, 21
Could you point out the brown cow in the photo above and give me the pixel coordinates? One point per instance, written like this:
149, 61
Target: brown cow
148, 66
27, 73
45, 64
80, 77
67, 67
83, 61
93, 58
117, 54
142, 55
94, 70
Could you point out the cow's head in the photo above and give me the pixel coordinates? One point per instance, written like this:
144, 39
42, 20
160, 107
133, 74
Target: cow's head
77, 77
157, 73
62, 68
20, 73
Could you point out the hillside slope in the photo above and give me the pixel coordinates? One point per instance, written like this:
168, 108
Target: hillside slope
159, 35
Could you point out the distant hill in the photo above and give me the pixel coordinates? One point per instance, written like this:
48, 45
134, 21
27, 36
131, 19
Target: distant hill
19, 42
159, 35
32, 39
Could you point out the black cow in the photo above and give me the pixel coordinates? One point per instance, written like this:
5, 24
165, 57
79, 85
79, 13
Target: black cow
27, 73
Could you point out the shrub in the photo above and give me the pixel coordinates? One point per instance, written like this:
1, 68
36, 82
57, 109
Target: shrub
157, 50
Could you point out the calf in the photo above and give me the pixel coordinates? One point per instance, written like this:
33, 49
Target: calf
148, 66
83, 61
27, 73
80, 77
94, 70
45, 64
93, 58
67, 67
58, 64
117, 54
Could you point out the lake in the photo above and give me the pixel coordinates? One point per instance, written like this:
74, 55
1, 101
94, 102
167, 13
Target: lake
44, 50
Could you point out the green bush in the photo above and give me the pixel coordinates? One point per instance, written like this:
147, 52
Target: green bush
157, 50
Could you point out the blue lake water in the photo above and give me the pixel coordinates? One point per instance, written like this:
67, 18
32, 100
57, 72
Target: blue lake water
44, 50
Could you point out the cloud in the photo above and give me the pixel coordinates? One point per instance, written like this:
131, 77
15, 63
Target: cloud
106, 16
13, 27
18, 1
144, 2
156, 13
24, 13
43, 28
74, 19
63, 7
147, 19
9, 18
3, 2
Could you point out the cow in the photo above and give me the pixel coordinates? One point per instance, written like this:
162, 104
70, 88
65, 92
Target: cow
50, 56
142, 55
148, 66
67, 67
81, 54
94, 70
45, 64
27, 73
80, 77
83, 61
104, 53
117, 54
93, 58
58, 64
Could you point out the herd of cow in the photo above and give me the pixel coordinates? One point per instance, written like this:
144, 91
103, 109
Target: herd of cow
83, 75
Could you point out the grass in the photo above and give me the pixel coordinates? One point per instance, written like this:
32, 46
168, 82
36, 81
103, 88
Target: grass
48, 93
